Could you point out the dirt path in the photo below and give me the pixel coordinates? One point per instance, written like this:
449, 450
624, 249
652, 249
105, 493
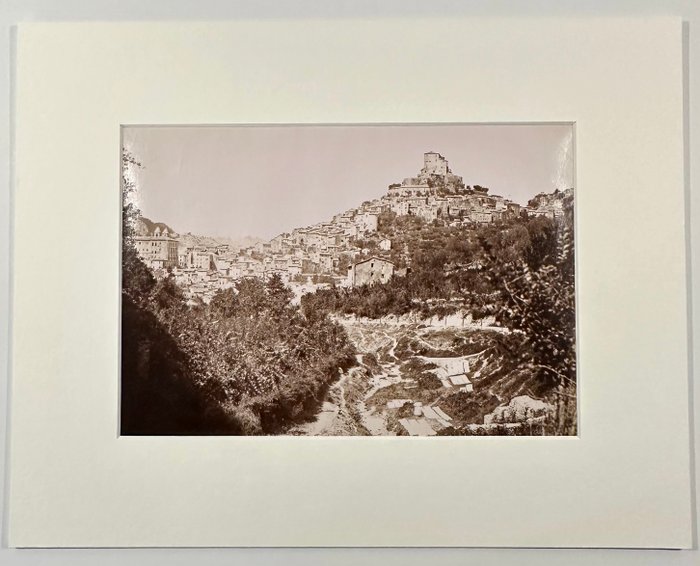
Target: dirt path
370, 339
337, 416
324, 422
328, 421
374, 423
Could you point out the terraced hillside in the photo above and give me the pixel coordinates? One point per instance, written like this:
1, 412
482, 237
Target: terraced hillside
421, 378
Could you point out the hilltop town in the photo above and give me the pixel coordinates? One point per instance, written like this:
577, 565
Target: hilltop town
436, 308
332, 252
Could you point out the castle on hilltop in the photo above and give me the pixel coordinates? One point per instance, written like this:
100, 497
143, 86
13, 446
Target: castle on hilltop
348, 249
436, 176
434, 164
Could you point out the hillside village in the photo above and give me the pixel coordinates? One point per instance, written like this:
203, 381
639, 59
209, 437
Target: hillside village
435, 309
331, 252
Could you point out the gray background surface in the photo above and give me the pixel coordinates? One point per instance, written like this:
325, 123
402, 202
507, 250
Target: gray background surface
14, 11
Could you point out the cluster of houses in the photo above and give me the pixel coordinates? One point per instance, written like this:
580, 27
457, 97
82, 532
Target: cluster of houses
327, 253
437, 194
305, 259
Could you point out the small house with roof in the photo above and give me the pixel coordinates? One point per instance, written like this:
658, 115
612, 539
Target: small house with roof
370, 271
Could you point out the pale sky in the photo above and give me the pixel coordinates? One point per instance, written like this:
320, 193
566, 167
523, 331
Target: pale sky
263, 180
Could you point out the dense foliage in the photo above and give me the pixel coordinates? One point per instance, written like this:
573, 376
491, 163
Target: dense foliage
520, 273
534, 297
247, 363
447, 267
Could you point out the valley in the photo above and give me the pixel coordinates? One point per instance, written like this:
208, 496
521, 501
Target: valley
403, 376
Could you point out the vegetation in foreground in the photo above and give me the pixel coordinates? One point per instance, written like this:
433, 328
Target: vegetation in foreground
249, 362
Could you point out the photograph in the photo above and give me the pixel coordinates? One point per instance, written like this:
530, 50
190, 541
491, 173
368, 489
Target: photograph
348, 280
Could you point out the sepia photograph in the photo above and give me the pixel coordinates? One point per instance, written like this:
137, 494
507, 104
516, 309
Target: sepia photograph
348, 280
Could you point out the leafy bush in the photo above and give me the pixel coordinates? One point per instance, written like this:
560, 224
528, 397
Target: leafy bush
249, 362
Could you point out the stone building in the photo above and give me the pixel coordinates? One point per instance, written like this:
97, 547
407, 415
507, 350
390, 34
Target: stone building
201, 259
158, 249
435, 174
434, 164
369, 271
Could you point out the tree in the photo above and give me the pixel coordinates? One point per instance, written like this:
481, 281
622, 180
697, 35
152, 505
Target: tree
137, 279
278, 293
169, 385
251, 298
224, 304
249, 362
534, 297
